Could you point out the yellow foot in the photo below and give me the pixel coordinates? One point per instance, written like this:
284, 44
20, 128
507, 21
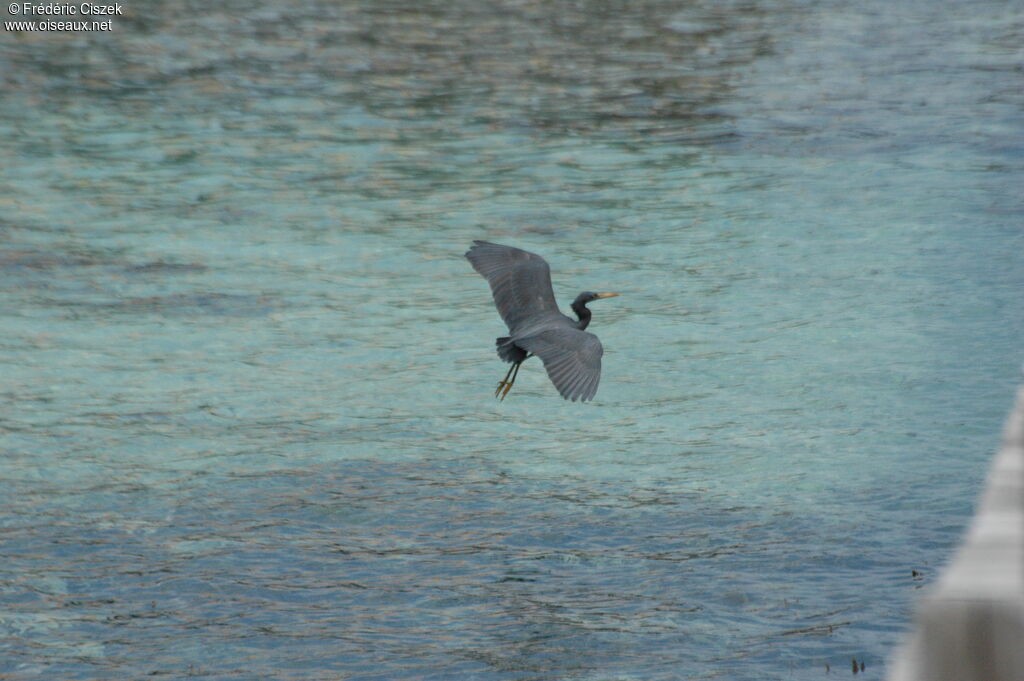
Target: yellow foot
503, 388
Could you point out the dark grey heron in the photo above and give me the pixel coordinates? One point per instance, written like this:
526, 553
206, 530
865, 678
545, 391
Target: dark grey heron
521, 284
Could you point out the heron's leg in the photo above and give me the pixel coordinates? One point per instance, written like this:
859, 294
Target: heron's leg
508, 385
502, 383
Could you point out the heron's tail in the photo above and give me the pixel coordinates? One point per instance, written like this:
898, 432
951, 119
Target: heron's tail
509, 351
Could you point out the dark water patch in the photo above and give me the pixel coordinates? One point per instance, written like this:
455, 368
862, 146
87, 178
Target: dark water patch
597, 69
42, 260
161, 267
185, 305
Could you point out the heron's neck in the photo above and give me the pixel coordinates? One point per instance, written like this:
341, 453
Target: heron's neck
583, 313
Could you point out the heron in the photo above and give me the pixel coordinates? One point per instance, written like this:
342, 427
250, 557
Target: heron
521, 284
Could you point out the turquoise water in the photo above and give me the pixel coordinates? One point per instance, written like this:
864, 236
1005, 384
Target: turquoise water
248, 429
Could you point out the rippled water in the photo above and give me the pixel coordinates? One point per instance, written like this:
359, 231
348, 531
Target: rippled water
247, 423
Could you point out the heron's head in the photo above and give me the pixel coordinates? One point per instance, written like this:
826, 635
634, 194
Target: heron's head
590, 296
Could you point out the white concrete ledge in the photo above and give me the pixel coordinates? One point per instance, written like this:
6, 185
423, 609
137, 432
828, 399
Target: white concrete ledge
970, 624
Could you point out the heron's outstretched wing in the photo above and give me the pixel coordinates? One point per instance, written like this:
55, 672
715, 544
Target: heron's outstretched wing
520, 282
572, 359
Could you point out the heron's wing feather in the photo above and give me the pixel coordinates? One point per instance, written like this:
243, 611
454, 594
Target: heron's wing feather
519, 280
571, 357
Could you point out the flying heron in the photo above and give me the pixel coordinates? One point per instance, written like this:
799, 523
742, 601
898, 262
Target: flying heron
521, 284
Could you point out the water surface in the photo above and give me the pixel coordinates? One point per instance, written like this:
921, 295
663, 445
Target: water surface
247, 424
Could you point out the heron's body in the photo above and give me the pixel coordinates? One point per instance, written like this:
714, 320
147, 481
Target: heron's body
521, 284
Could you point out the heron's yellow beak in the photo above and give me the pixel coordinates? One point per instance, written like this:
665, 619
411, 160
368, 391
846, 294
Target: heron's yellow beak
607, 295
